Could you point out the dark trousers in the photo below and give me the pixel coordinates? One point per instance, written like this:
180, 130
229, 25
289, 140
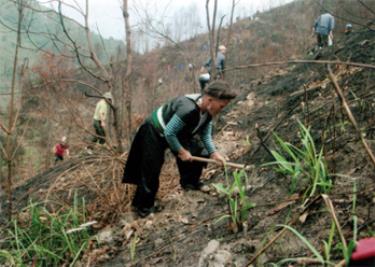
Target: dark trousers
99, 133
322, 40
145, 160
58, 158
203, 83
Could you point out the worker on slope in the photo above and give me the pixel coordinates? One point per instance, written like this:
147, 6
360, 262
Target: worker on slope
323, 28
183, 125
61, 149
101, 117
205, 77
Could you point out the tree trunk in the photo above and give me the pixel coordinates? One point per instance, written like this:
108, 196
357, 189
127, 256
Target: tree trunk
129, 59
11, 138
211, 34
229, 35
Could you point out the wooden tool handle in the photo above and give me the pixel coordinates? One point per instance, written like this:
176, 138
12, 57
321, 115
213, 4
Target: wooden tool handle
230, 164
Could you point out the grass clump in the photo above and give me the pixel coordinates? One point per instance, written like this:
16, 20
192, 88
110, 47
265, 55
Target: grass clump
302, 162
42, 239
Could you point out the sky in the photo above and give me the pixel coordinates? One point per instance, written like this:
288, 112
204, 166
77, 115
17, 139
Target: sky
105, 15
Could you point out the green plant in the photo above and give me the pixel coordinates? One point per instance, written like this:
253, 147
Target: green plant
238, 202
43, 239
7, 258
317, 255
346, 250
303, 162
133, 247
328, 244
353, 242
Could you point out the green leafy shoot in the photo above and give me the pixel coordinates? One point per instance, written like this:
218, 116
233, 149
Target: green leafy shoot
238, 202
302, 163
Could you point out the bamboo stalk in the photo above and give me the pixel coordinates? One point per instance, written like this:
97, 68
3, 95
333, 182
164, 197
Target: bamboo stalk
229, 164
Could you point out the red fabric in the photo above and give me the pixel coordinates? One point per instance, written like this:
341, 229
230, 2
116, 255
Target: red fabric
365, 249
60, 149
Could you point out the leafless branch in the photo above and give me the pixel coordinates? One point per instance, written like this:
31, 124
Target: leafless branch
2, 127
229, 35
302, 61
218, 34
76, 49
93, 55
366, 6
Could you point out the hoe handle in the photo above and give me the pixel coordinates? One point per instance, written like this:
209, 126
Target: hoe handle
230, 164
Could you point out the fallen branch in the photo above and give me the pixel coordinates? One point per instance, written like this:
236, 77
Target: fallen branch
302, 61
350, 114
305, 90
229, 164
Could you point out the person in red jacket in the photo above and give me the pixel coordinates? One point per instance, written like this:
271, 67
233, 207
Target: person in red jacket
61, 149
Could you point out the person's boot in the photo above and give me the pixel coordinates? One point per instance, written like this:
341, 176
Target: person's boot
144, 212
196, 187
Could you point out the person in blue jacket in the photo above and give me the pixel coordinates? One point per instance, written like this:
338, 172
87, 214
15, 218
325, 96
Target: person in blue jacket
205, 77
323, 28
184, 125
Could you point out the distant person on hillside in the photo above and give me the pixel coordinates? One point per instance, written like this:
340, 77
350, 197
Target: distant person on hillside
323, 28
101, 118
348, 28
205, 77
61, 149
184, 125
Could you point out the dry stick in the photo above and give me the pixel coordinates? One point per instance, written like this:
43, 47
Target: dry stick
305, 90
350, 115
279, 234
331, 210
334, 144
4, 129
341, 264
262, 142
306, 111
298, 61
229, 164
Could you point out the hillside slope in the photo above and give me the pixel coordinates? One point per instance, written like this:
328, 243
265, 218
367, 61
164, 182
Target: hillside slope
179, 234
271, 102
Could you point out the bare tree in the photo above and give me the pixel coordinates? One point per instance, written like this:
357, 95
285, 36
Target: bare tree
10, 148
104, 75
211, 34
129, 59
229, 34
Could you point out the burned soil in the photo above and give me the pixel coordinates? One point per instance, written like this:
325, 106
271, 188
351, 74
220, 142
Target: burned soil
187, 231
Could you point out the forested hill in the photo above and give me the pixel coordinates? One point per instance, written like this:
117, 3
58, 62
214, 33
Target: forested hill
42, 32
